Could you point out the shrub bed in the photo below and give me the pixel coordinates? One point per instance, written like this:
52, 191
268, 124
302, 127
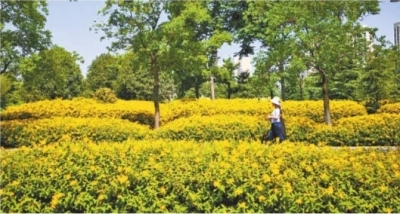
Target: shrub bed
392, 108
311, 109
369, 130
230, 127
134, 111
185, 177
18, 133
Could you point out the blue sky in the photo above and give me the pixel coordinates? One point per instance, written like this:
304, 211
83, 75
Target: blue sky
69, 23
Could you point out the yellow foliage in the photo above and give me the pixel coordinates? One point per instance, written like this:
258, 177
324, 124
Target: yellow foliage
163, 175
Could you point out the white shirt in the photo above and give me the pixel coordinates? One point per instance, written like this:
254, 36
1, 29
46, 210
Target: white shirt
276, 113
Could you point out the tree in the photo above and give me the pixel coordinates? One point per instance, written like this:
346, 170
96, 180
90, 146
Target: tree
103, 72
226, 75
50, 74
211, 34
380, 80
22, 31
136, 26
326, 36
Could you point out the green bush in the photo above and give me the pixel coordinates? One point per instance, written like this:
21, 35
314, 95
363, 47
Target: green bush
105, 95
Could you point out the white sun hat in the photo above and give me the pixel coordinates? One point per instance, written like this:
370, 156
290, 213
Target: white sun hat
276, 101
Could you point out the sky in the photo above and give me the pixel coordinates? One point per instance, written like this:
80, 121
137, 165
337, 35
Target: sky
70, 21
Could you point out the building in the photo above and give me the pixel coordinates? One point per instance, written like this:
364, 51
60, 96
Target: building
244, 65
370, 39
396, 33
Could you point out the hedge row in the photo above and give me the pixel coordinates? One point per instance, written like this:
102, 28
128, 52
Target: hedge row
143, 111
311, 109
134, 111
369, 130
18, 133
392, 108
186, 177
229, 127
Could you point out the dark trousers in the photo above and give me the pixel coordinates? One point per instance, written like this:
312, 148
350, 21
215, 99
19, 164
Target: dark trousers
276, 131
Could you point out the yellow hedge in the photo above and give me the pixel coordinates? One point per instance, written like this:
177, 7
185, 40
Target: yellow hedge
188, 177
135, 111
18, 133
232, 127
311, 109
392, 108
370, 130
143, 111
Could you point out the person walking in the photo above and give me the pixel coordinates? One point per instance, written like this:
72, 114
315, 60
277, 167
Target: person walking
277, 124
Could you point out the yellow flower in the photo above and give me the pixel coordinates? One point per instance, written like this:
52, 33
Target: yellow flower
230, 181
238, 191
242, 205
216, 184
73, 183
162, 190
324, 176
101, 197
329, 190
122, 179
54, 200
383, 188
299, 201
266, 178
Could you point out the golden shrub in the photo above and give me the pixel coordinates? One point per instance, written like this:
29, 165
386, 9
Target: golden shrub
391, 108
135, 111
311, 109
367, 130
189, 177
232, 127
16, 133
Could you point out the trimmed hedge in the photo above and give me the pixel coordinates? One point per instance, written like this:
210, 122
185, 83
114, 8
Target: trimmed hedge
18, 133
369, 130
134, 111
188, 177
392, 108
253, 107
229, 127
143, 111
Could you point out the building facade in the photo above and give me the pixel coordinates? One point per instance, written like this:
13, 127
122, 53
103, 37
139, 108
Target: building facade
397, 33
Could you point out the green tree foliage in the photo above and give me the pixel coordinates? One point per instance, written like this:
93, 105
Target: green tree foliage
160, 47
210, 34
50, 74
10, 90
22, 31
102, 72
325, 36
380, 79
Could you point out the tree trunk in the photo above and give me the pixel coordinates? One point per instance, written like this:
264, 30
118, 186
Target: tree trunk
229, 90
325, 95
197, 89
281, 71
156, 92
212, 87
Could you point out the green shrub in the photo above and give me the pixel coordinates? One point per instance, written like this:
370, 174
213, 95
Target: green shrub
105, 95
